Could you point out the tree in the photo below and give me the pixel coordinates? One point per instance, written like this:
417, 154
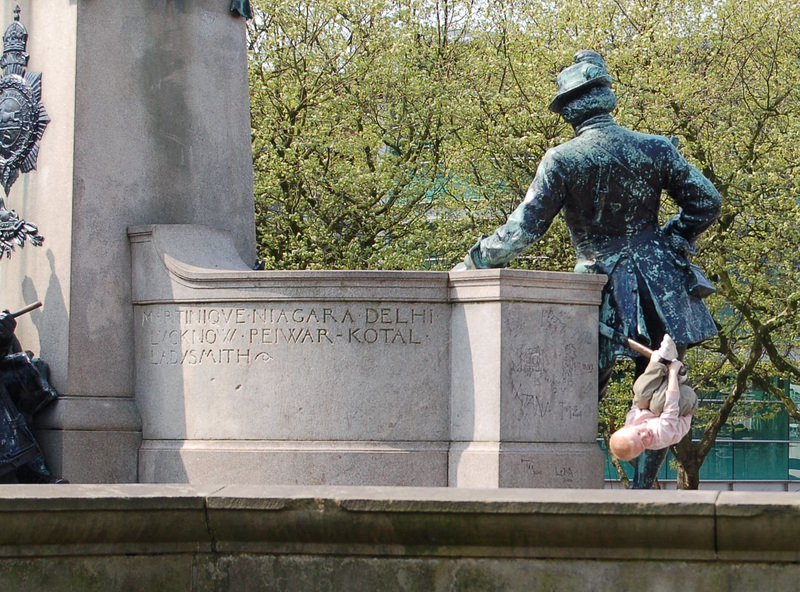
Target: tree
393, 133
353, 117
740, 123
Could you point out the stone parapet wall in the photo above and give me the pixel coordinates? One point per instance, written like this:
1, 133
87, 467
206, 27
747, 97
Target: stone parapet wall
171, 537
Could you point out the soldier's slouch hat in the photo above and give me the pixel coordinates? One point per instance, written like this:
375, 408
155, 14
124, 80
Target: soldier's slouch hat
589, 70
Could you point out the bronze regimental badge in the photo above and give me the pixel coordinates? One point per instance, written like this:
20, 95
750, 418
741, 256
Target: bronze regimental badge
22, 123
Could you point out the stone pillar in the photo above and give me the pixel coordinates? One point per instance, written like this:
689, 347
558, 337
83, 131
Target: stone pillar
524, 379
150, 124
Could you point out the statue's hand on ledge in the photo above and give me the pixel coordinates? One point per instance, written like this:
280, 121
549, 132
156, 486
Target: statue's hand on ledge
469, 258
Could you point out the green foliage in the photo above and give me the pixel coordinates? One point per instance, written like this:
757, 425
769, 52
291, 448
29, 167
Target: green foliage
352, 130
393, 133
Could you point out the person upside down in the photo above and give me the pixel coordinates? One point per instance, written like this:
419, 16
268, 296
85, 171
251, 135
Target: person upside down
662, 409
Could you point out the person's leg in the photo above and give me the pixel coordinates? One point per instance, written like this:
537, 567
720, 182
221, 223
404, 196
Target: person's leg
648, 464
603, 378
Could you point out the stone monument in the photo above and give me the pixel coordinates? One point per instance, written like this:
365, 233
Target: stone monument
177, 362
479, 379
150, 123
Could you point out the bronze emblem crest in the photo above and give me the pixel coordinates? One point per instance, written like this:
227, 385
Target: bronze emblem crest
22, 123
22, 115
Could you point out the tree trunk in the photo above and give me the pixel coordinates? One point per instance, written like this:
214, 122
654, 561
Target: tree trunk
689, 479
689, 463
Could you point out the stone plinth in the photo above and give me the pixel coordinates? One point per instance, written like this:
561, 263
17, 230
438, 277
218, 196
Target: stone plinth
524, 379
150, 124
359, 378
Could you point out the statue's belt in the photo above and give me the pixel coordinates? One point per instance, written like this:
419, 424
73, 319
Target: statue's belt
608, 246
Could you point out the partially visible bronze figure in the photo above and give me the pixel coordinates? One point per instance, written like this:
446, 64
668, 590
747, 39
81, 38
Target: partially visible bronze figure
242, 8
24, 391
24, 380
608, 182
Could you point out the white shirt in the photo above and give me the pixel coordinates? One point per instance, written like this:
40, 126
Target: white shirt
666, 429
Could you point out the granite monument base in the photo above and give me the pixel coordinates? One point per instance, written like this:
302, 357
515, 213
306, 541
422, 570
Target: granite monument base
467, 379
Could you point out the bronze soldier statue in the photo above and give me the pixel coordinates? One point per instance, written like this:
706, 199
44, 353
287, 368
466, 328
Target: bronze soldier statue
24, 391
608, 182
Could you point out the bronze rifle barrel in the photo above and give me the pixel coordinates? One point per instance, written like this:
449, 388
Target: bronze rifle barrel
26, 309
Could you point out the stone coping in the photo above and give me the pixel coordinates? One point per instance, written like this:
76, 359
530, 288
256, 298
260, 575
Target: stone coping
185, 263
389, 521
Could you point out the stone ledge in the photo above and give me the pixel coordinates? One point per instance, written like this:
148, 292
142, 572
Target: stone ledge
496, 285
45, 520
531, 523
758, 526
400, 522
183, 263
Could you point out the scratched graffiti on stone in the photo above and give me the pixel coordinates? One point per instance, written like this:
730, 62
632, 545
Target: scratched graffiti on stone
568, 363
573, 365
530, 406
530, 362
552, 324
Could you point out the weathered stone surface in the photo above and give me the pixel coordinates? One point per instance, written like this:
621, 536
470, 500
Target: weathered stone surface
167, 573
524, 379
356, 378
415, 464
150, 123
301, 573
463, 522
110, 519
758, 526
92, 456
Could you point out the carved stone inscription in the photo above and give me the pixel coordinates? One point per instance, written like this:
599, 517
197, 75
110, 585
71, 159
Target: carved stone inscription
258, 334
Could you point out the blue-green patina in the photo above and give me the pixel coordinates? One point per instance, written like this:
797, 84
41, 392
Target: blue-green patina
608, 183
242, 8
